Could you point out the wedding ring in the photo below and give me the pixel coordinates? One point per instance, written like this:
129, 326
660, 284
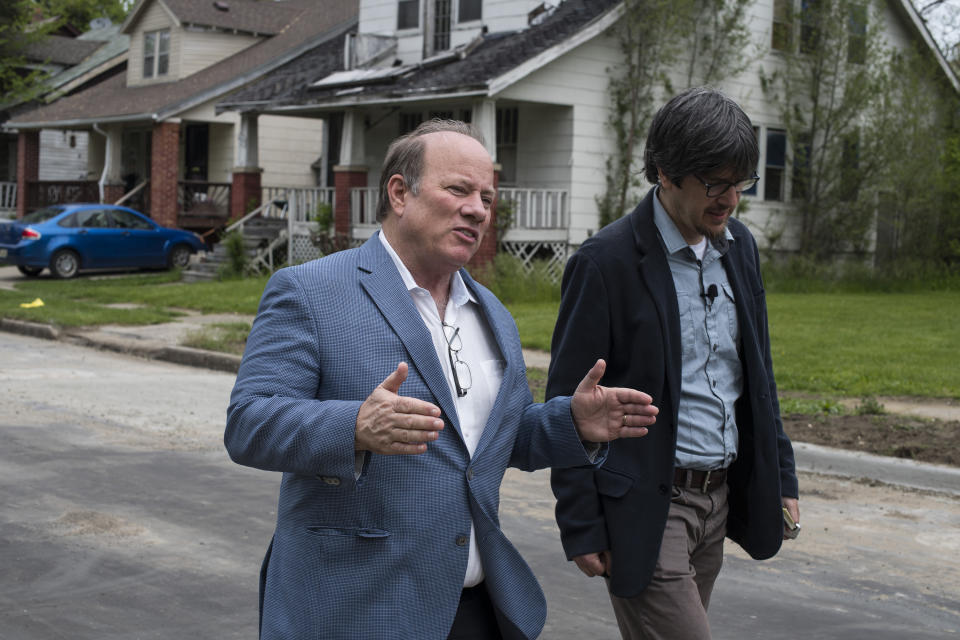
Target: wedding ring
624, 419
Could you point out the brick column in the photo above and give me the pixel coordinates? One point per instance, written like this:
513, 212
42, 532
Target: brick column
112, 192
488, 247
164, 171
28, 166
345, 178
245, 192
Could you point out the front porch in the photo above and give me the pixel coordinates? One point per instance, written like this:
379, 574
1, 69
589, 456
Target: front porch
538, 227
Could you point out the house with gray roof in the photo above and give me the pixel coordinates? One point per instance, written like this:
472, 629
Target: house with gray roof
154, 129
534, 76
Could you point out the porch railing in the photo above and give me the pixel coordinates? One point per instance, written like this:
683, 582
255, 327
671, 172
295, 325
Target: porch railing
538, 208
363, 206
204, 199
8, 196
301, 201
44, 193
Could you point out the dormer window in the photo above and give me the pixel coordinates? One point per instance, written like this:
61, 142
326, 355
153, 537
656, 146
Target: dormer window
156, 53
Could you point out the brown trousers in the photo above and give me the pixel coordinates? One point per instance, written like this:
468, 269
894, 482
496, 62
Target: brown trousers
674, 605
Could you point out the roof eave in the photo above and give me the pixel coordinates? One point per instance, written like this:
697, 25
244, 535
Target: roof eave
587, 33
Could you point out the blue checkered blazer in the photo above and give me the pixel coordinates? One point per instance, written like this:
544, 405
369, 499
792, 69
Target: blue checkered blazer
380, 556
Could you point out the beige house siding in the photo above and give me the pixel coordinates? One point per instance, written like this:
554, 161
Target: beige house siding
200, 49
288, 146
154, 18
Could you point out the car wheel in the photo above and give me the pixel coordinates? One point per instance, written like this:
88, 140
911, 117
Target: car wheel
179, 256
29, 271
64, 264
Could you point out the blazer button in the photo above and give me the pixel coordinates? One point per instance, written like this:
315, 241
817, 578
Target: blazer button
663, 489
461, 540
470, 473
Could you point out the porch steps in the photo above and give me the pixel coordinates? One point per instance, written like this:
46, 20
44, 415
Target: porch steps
258, 234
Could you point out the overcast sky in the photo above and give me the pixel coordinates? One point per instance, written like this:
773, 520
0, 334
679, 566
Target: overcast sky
943, 20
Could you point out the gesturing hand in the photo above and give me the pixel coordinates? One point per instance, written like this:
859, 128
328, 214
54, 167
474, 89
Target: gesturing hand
389, 423
602, 414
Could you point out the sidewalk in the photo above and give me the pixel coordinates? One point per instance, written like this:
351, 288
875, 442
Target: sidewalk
163, 342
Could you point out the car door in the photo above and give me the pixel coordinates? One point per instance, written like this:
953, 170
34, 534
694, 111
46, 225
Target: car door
98, 242
140, 243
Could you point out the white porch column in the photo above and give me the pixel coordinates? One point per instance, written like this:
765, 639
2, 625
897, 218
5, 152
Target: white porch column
248, 145
485, 119
352, 142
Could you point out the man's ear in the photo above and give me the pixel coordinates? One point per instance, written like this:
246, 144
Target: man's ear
663, 179
397, 193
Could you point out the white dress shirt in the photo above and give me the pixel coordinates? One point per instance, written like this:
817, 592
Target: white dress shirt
481, 354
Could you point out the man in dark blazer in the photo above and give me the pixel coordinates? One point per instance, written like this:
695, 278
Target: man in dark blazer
390, 390
671, 297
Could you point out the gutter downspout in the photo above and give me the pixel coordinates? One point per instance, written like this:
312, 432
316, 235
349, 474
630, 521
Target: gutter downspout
106, 158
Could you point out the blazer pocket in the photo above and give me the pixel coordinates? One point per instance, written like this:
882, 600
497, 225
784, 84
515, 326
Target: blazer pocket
612, 483
351, 532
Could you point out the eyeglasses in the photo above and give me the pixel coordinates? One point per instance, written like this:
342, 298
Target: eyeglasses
717, 189
462, 379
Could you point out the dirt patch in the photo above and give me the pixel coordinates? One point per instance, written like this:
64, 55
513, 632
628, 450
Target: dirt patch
920, 439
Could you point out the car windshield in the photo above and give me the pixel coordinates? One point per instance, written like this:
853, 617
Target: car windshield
41, 215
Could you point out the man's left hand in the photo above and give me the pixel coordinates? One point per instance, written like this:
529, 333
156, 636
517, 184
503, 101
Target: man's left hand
602, 414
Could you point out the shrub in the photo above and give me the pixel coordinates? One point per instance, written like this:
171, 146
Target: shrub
510, 281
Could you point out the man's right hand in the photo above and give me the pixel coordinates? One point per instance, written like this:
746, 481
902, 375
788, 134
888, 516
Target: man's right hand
389, 423
595, 564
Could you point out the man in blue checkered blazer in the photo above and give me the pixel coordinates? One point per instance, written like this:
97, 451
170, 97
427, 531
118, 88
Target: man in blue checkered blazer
389, 388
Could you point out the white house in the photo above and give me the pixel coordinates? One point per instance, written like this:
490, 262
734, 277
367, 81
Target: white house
533, 76
154, 127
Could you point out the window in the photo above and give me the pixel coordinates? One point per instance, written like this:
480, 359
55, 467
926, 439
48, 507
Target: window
409, 121
156, 53
752, 191
809, 26
801, 166
775, 164
850, 169
857, 34
781, 36
507, 144
441, 25
408, 14
126, 220
469, 10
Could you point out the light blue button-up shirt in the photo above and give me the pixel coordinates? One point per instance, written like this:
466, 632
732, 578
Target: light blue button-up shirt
712, 378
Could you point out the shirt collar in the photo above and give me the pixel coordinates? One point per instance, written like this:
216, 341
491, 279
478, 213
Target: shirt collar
672, 239
459, 293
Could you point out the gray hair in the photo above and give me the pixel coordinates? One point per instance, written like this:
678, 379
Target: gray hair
700, 131
405, 157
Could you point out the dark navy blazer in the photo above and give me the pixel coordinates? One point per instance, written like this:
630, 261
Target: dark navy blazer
619, 303
382, 556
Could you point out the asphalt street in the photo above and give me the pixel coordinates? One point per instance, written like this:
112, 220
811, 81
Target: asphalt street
121, 516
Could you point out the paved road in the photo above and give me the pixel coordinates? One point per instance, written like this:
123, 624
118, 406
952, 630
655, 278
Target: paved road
122, 517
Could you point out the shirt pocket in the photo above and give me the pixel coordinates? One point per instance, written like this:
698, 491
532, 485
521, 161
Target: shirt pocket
730, 309
687, 331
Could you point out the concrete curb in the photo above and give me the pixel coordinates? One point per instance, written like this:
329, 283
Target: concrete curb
895, 471
175, 354
34, 329
810, 458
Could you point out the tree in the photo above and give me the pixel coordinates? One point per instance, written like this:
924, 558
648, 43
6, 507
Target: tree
22, 23
834, 70
707, 38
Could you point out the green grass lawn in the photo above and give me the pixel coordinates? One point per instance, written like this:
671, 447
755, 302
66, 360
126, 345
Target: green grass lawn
84, 301
859, 344
834, 344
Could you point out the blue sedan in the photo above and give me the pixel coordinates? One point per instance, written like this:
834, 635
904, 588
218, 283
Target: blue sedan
67, 238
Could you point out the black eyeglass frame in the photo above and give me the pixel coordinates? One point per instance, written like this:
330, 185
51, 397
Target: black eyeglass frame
454, 355
743, 185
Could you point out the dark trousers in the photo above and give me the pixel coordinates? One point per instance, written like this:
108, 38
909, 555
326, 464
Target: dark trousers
476, 617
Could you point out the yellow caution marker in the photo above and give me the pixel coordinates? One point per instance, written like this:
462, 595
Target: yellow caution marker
32, 305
